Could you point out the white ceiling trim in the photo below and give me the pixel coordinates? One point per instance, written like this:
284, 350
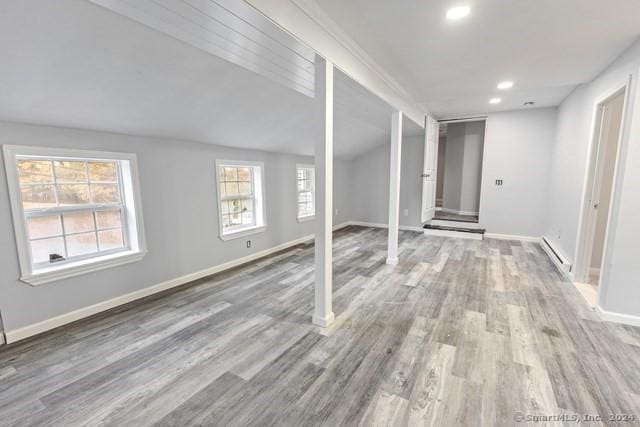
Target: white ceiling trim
307, 22
311, 9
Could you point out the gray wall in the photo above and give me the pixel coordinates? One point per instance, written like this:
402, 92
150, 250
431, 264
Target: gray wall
370, 190
620, 292
463, 166
177, 181
518, 147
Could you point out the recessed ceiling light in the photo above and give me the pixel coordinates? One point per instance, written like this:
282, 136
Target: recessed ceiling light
458, 12
505, 85
495, 101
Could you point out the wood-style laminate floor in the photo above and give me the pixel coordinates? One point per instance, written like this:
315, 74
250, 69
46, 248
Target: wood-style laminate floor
461, 332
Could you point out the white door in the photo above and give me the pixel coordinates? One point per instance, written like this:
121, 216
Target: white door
429, 169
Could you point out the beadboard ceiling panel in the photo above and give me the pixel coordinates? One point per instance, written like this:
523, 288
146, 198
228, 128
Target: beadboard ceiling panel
72, 63
229, 29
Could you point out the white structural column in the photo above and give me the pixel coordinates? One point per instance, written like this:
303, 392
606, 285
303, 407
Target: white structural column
323, 310
394, 186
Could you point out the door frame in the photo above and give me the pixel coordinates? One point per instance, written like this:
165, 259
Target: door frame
427, 173
588, 216
3, 338
484, 119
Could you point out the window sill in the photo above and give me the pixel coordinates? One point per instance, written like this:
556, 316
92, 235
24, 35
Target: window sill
78, 268
306, 218
242, 233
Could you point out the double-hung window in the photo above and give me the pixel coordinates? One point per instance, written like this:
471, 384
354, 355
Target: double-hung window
305, 177
240, 198
74, 211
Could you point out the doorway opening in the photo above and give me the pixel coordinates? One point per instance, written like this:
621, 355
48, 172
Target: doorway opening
590, 268
3, 340
459, 171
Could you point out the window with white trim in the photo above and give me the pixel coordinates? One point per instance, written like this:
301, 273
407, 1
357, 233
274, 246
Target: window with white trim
240, 197
72, 209
305, 177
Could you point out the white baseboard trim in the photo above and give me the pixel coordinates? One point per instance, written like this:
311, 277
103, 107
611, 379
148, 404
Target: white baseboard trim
515, 237
611, 316
322, 321
380, 225
63, 319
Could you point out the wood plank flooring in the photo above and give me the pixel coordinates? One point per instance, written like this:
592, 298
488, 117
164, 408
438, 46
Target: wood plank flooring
461, 332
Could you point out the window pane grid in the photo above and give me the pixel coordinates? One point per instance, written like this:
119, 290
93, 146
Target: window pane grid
73, 234
62, 199
305, 178
75, 188
237, 199
96, 230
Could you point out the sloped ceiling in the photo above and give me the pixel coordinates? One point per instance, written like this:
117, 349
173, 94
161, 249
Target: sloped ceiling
73, 63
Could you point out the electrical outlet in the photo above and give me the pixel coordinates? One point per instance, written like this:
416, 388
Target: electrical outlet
406, 212
498, 182
337, 212
248, 244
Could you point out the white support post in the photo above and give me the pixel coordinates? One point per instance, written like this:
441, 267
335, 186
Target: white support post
394, 186
323, 310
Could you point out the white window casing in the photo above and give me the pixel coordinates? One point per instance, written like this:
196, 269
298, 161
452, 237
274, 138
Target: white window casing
241, 198
305, 192
108, 227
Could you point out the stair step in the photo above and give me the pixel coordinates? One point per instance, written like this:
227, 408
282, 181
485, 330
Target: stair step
461, 232
457, 219
451, 223
461, 229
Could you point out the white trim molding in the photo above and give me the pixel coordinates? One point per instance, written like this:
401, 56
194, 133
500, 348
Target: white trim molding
587, 217
132, 222
79, 268
323, 321
312, 190
258, 194
307, 22
612, 316
66, 318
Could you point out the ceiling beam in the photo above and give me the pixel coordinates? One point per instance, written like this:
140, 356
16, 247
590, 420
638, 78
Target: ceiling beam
304, 20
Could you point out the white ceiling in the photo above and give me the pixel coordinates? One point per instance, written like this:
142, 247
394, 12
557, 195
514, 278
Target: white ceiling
546, 47
75, 64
